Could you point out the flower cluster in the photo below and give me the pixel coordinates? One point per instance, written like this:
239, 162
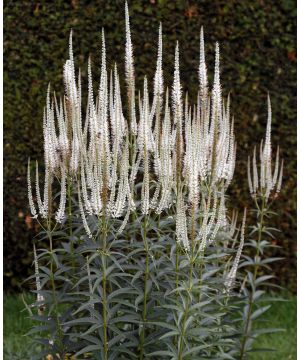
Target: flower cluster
187, 151
268, 181
172, 144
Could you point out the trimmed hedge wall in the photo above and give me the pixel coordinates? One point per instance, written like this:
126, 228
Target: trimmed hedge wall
258, 54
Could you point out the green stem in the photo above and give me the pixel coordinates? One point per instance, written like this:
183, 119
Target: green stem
144, 316
193, 236
70, 207
70, 225
177, 244
53, 288
177, 264
104, 285
186, 311
201, 253
180, 355
176, 278
251, 299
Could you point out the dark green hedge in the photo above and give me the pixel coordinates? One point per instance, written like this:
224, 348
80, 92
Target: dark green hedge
258, 41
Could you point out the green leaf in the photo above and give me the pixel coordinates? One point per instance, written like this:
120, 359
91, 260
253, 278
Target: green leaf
161, 353
259, 312
196, 349
116, 293
89, 348
266, 331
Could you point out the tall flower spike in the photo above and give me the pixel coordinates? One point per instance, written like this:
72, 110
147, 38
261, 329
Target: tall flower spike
230, 278
69, 76
276, 168
129, 71
30, 197
63, 142
279, 183
249, 177
37, 188
217, 92
267, 154
202, 236
86, 200
252, 186
220, 220
50, 139
255, 172
159, 81
262, 168
90, 89
103, 82
267, 147
178, 112
85, 224
47, 190
71, 47
60, 214
177, 93
129, 64
181, 222
202, 67
165, 175
267, 180
123, 182
158, 77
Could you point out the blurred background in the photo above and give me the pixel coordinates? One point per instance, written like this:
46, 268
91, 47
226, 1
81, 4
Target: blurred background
258, 55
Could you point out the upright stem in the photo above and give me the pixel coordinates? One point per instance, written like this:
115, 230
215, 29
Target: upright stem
180, 355
193, 223
177, 244
186, 311
201, 262
177, 264
52, 282
193, 236
70, 207
104, 299
176, 278
251, 299
144, 316
70, 224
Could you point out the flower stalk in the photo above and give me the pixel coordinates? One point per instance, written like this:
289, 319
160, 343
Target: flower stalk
146, 276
